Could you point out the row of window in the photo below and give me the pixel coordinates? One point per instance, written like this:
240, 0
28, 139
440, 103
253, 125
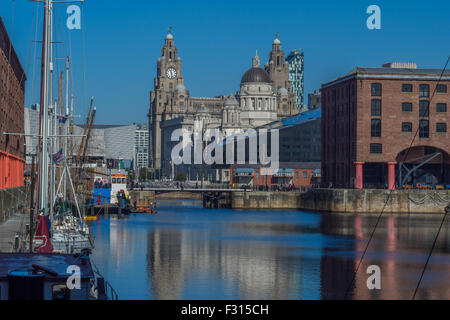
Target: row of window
304, 175
424, 128
441, 127
424, 107
424, 89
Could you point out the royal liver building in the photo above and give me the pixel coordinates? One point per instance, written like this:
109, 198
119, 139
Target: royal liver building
265, 95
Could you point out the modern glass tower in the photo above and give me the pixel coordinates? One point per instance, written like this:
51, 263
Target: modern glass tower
296, 75
141, 145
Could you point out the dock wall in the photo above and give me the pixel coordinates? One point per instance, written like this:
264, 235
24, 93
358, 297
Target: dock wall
346, 200
179, 196
144, 198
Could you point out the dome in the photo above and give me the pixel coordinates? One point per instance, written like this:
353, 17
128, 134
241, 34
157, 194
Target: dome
231, 101
283, 91
256, 75
276, 41
180, 88
169, 36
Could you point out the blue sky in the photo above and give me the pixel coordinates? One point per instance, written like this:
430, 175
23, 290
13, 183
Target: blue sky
216, 41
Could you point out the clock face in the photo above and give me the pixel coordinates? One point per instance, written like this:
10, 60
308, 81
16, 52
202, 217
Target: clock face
171, 73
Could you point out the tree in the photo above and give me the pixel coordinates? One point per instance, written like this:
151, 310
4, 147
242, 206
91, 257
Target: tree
144, 174
131, 175
181, 177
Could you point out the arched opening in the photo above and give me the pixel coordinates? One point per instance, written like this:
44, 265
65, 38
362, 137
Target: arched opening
423, 166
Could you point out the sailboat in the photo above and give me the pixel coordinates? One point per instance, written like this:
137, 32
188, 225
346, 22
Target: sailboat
44, 274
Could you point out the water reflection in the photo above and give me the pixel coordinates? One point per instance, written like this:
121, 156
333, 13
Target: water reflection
187, 252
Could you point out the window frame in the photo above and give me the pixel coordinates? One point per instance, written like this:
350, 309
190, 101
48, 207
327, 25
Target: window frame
376, 107
375, 133
424, 93
374, 147
442, 86
407, 85
444, 126
421, 132
410, 127
373, 90
407, 103
421, 114
441, 104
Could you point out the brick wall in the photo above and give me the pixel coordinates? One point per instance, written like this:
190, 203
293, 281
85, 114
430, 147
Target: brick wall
347, 120
12, 95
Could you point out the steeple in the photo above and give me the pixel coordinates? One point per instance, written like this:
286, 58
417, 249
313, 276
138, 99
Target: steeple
277, 41
256, 61
276, 56
169, 51
169, 34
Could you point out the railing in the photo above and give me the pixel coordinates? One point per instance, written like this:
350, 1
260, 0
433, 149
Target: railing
111, 294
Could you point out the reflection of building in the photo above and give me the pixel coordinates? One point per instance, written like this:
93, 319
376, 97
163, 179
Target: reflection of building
141, 145
296, 62
398, 238
265, 95
371, 116
12, 99
176, 256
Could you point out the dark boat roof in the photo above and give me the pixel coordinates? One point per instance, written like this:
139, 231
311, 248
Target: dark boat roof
54, 262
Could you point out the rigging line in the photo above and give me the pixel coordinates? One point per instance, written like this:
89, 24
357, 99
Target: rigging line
35, 53
445, 214
59, 61
10, 49
429, 255
63, 43
31, 46
391, 191
84, 56
72, 90
22, 78
431, 99
367, 245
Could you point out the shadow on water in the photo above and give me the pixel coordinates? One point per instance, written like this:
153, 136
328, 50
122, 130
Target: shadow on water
187, 252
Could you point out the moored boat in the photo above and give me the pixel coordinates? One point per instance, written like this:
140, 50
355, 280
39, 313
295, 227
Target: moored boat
31, 276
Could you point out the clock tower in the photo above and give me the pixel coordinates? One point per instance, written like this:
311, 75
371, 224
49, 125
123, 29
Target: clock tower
162, 102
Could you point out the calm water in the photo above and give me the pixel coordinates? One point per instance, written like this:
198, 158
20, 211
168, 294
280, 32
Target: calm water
187, 252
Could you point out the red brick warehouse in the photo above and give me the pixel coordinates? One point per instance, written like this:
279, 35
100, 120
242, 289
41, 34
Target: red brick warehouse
12, 98
370, 118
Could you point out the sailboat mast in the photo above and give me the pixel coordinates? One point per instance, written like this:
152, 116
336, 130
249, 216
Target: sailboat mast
66, 124
52, 108
43, 159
